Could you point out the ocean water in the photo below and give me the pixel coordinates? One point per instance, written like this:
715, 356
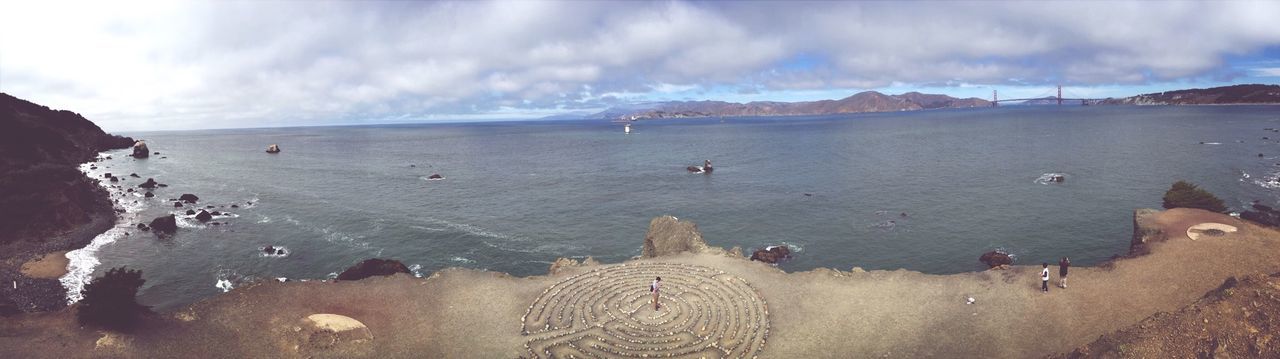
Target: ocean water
517, 195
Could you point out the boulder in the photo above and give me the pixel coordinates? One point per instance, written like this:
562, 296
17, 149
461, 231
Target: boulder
115, 179
373, 267
203, 216
140, 150
996, 258
189, 198
1057, 178
771, 254
669, 235
191, 212
134, 175
106, 175
150, 183
565, 263
269, 250
149, 194
216, 213
436, 176
235, 206
273, 148
164, 225
177, 204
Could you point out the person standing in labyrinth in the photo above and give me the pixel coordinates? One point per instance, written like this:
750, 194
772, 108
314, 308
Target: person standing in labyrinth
655, 287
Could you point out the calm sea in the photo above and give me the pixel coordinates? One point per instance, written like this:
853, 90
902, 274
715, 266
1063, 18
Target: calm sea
517, 195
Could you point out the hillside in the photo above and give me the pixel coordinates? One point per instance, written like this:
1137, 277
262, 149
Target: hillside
49, 205
1226, 95
868, 101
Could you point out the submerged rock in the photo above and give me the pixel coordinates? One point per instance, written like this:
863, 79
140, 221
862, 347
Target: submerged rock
771, 254
996, 258
177, 204
150, 183
191, 212
189, 198
149, 194
203, 216
436, 176
165, 225
668, 235
373, 267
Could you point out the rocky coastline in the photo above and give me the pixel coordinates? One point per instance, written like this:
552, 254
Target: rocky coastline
50, 205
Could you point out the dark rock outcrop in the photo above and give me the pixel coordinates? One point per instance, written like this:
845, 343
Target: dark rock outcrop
165, 225
150, 183
140, 150
668, 235
203, 216
1262, 214
191, 212
996, 258
149, 194
771, 254
189, 198
436, 176
373, 267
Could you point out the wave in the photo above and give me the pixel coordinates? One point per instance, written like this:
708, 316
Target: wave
82, 262
416, 269
462, 260
1048, 178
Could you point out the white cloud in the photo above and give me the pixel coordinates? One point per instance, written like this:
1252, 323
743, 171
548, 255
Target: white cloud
161, 65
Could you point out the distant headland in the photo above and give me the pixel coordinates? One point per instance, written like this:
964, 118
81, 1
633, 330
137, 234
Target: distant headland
872, 101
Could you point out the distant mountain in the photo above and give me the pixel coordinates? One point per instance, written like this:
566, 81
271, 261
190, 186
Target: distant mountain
869, 101
1235, 94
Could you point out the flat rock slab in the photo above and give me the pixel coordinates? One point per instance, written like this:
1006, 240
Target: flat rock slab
332, 336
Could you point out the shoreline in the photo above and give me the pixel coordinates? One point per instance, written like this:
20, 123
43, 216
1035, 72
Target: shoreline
463, 312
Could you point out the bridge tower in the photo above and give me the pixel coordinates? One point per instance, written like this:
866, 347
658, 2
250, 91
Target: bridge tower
1059, 95
994, 100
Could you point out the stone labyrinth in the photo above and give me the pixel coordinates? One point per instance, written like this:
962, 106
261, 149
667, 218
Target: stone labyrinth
608, 312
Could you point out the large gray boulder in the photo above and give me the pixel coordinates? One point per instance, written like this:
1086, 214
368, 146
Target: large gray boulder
668, 235
140, 149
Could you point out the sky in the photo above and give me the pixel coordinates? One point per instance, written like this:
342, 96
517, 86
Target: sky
173, 65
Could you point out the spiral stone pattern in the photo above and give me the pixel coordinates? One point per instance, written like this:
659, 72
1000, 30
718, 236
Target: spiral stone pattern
608, 313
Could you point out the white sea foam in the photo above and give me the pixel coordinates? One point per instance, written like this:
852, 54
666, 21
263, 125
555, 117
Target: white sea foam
224, 285
1211, 143
264, 219
1047, 178
462, 260
83, 261
416, 269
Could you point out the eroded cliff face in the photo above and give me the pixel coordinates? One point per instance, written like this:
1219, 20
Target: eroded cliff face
1145, 231
669, 235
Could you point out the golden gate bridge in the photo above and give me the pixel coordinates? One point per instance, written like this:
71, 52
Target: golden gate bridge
996, 100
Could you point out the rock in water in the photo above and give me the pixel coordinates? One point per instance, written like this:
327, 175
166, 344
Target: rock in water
149, 194
203, 216
373, 267
189, 198
436, 176
668, 235
273, 148
191, 212
150, 183
771, 254
996, 258
177, 204
140, 149
165, 225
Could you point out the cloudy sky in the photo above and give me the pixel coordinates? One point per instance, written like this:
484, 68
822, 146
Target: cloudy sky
186, 65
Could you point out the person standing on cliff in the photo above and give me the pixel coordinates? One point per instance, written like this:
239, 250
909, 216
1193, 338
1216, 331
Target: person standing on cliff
655, 288
1044, 278
1062, 271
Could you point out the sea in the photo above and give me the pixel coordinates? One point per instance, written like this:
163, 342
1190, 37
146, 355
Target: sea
927, 191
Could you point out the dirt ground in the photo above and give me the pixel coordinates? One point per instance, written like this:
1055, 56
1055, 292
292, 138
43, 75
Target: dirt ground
817, 314
50, 266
